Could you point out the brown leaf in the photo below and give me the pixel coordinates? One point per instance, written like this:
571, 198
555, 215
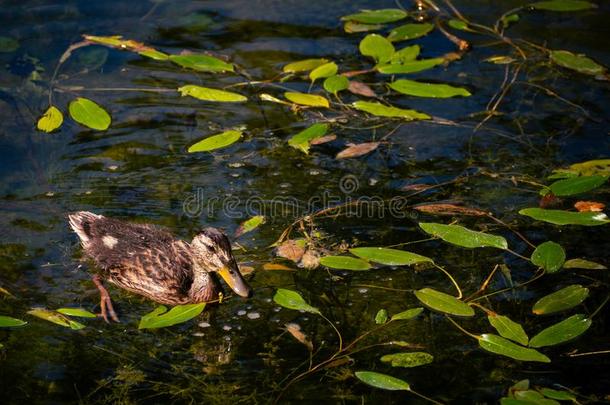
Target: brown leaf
353, 73
361, 89
357, 150
291, 250
295, 330
323, 139
311, 259
449, 209
416, 187
548, 200
276, 266
589, 206
245, 270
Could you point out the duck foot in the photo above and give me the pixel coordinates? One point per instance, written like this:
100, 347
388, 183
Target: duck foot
105, 301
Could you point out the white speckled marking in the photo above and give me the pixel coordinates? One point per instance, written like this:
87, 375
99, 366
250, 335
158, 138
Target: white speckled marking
110, 241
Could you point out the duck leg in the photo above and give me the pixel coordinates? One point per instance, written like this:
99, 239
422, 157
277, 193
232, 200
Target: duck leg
105, 302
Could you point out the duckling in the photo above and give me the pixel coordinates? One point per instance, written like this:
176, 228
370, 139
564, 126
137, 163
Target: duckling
149, 261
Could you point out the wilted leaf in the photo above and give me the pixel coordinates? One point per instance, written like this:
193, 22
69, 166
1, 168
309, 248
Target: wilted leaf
292, 250
336, 83
549, 255
295, 330
577, 62
406, 315
561, 332
207, 94
576, 185
360, 149
89, 114
389, 257
159, 318
458, 235
444, 303
382, 110
8, 322
409, 67
304, 65
55, 318
344, 263
499, 345
50, 120
323, 71
80, 312
559, 217
293, 300
250, 225
361, 89
562, 5
323, 139
382, 381
409, 31
448, 209
311, 100
377, 47
508, 328
302, 140
583, 264
381, 317
311, 259
376, 16
216, 141
589, 206
411, 359
419, 89
202, 63
561, 300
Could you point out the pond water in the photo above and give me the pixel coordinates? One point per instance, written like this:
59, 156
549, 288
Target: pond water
140, 170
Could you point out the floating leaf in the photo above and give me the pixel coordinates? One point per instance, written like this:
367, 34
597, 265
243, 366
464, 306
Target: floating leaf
406, 54
561, 332
56, 318
583, 264
406, 315
361, 89
8, 322
276, 266
207, 94
352, 27
508, 328
50, 120
159, 318
458, 235
89, 114
357, 150
549, 255
448, 209
382, 110
459, 25
336, 83
577, 62
377, 47
419, 89
561, 300
381, 317
202, 63
302, 140
344, 263
559, 217
389, 257
216, 141
442, 302
576, 185
292, 249
269, 97
409, 31
304, 65
558, 395
409, 67
382, 381
376, 16
114, 41
295, 330
307, 99
562, 5
499, 345
293, 300
323, 139
592, 167
80, 312
250, 225
411, 359
154, 54
323, 71
8, 44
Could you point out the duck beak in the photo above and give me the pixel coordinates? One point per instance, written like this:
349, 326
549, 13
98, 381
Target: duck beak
235, 281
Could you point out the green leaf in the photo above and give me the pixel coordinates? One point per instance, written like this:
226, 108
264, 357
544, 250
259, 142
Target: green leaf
562, 5
499, 345
389, 257
216, 141
154, 54
50, 120
406, 315
376, 16
529, 397
409, 31
304, 65
321, 72
381, 110
419, 89
409, 360
352, 27
293, 300
406, 54
89, 114
561, 300
577, 62
550, 256
561, 332
377, 47
83, 313
576, 185
442, 302
511, 18
8, 322
458, 235
8, 44
336, 83
592, 167
560, 217
307, 99
558, 395
344, 263
207, 94
459, 25
409, 66
159, 318
583, 264
56, 318
381, 317
250, 225
383, 381
302, 140
202, 63
508, 328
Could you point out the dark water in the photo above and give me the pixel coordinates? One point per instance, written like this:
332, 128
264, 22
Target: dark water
139, 170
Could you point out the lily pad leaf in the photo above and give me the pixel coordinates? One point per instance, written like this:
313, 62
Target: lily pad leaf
583, 264
377, 47
302, 140
202, 63
561, 300
577, 62
376, 16
310, 100
207, 94
324, 71
250, 225
562, 5
293, 300
304, 65
409, 360
216, 141
433, 90
336, 83
508, 328
389, 257
549, 255
409, 31
576, 185
560, 217
50, 120
413, 66
499, 345
56, 318
381, 317
382, 381
344, 263
460, 236
406, 315
80, 312
161, 318
89, 114
561, 332
382, 110
444, 303
8, 322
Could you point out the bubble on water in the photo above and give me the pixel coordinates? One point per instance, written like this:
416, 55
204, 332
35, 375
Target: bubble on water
277, 309
363, 290
254, 315
236, 164
227, 327
314, 172
241, 312
204, 325
198, 334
